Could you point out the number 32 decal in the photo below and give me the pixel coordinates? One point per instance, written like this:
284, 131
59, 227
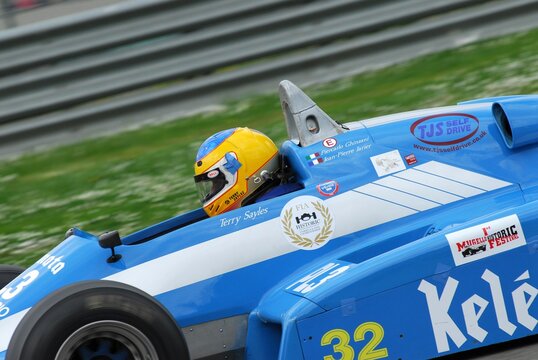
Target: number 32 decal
339, 339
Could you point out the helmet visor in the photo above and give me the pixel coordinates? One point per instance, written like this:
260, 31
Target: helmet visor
210, 184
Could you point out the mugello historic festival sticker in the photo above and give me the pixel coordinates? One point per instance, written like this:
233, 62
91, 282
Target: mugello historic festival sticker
307, 222
446, 132
486, 239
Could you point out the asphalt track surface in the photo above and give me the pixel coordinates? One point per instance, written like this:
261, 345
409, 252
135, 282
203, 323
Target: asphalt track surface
523, 349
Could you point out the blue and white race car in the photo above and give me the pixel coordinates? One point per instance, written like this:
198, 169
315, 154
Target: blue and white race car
415, 235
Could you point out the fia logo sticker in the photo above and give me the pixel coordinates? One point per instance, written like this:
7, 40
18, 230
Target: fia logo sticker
307, 222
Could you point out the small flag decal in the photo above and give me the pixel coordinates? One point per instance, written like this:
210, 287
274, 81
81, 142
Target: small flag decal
314, 159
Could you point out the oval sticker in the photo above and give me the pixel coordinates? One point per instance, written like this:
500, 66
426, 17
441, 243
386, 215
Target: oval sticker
445, 129
212, 174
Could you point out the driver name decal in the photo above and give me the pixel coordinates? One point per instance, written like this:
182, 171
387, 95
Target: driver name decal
487, 239
248, 215
307, 222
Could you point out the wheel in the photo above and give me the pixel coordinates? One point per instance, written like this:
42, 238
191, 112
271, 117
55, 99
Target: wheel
8, 273
98, 320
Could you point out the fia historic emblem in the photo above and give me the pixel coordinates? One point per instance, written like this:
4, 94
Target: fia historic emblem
307, 222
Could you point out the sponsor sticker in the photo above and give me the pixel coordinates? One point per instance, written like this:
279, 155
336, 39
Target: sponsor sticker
445, 129
487, 239
445, 315
328, 188
330, 142
410, 159
212, 174
388, 163
307, 222
52, 263
446, 132
234, 197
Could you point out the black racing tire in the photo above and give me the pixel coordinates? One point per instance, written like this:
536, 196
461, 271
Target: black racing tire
79, 321
8, 273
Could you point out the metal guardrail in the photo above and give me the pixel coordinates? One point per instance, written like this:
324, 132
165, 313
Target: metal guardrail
9, 9
91, 86
108, 32
165, 51
89, 18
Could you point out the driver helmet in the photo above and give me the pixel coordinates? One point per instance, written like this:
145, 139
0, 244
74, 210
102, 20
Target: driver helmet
231, 165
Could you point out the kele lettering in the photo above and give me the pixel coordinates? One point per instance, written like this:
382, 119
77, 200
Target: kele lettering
444, 327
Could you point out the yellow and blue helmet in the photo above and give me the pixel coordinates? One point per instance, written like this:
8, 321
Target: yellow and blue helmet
231, 165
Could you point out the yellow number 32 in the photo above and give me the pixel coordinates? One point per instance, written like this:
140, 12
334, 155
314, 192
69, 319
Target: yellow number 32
342, 347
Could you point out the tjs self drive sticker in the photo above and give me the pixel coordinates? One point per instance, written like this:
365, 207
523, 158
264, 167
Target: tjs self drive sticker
447, 132
445, 129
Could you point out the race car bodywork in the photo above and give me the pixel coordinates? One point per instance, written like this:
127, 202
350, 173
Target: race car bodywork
415, 236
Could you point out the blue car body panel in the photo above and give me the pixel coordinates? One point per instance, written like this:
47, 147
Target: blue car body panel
381, 254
